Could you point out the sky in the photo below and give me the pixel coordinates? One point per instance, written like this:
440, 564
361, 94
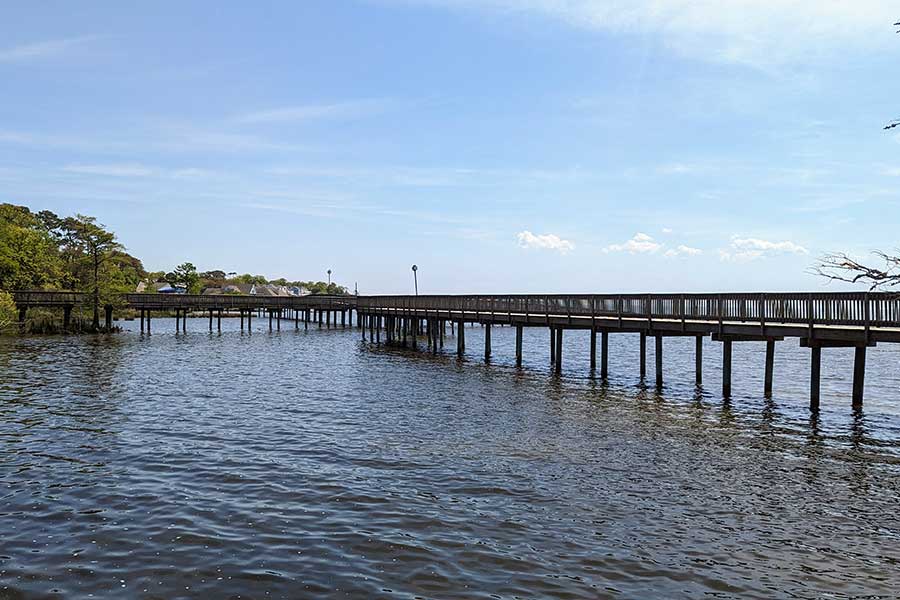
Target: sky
503, 146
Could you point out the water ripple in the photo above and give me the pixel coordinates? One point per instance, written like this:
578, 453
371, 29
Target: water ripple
309, 465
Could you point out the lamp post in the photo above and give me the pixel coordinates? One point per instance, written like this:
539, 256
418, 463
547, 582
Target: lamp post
329, 276
415, 270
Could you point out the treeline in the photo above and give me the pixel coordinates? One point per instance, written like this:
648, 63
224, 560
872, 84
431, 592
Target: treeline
43, 251
193, 281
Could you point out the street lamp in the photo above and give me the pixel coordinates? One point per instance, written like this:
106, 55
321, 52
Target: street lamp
329, 276
416, 278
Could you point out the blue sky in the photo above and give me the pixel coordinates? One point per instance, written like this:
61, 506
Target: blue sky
527, 146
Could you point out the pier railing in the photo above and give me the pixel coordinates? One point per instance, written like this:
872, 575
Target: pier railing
34, 298
235, 301
855, 309
863, 309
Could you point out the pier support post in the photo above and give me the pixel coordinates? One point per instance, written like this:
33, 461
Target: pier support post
210, 319
219, 320
770, 368
461, 339
177, 320
815, 377
67, 318
559, 350
435, 335
343, 318
148, 322
242, 318
23, 314
270, 320
604, 355
552, 346
726, 368
659, 361
593, 350
643, 353
859, 375
249, 321
487, 342
519, 334
109, 317
698, 360
142, 319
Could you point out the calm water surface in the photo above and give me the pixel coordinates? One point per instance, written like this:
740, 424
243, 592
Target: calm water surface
310, 465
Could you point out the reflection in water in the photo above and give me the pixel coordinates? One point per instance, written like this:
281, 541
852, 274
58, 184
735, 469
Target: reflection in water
307, 464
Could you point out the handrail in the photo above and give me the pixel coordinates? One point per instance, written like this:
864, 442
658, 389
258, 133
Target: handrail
864, 309
24, 298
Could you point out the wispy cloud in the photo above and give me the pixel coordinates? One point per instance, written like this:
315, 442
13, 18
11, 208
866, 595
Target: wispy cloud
678, 169
111, 170
547, 241
641, 243
168, 136
682, 250
43, 50
746, 249
434, 176
759, 33
353, 109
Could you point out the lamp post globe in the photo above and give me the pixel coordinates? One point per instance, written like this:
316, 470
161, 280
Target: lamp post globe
416, 278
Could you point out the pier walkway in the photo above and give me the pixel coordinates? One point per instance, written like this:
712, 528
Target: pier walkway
857, 320
819, 320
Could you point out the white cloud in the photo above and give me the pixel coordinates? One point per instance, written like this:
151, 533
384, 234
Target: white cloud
136, 170
746, 249
667, 230
41, 50
677, 169
309, 112
752, 32
641, 243
111, 170
682, 250
547, 241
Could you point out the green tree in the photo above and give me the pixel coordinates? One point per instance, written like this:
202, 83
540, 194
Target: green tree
186, 274
29, 258
8, 313
97, 247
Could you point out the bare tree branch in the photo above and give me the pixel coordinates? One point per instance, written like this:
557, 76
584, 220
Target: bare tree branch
840, 267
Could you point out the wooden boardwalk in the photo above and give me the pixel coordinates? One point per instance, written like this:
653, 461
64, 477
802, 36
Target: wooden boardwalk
819, 320
856, 320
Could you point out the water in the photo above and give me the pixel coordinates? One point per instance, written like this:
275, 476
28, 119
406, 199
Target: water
310, 465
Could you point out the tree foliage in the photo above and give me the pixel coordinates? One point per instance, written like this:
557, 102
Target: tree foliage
186, 276
45, 251
8, 316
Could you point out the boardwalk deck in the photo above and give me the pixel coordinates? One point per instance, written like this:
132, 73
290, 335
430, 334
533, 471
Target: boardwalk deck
819, 320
